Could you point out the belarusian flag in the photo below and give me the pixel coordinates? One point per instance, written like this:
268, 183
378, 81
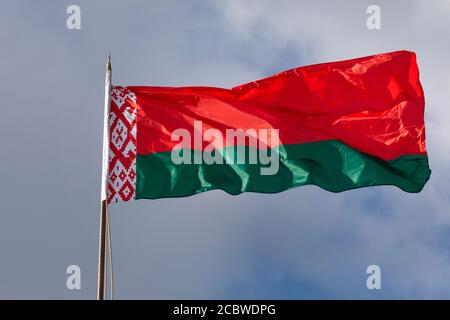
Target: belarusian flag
338, 125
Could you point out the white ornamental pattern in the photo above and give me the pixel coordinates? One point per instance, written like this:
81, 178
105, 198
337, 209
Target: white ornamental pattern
122, 146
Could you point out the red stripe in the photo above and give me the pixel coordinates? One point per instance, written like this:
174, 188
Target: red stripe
374, 104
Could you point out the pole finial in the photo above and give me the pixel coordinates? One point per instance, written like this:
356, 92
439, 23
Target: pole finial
108, 63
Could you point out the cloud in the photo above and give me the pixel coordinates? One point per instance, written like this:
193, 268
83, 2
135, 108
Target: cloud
303, 243
404, 233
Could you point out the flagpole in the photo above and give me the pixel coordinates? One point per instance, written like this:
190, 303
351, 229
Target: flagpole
101, 284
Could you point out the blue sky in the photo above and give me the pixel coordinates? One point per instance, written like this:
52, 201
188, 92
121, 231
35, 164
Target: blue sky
303, 243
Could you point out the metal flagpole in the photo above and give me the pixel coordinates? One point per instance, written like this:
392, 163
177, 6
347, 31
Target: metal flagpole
101, 286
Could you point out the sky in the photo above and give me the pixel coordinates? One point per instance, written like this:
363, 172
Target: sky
304, 243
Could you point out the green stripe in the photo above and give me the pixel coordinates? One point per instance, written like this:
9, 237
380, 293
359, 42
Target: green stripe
330, 165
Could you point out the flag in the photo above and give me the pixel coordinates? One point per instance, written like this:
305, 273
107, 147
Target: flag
338, 125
